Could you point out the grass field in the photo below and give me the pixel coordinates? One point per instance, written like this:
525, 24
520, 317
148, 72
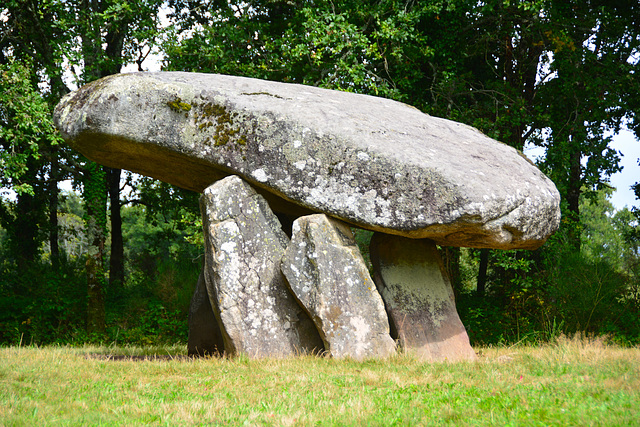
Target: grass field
573, 382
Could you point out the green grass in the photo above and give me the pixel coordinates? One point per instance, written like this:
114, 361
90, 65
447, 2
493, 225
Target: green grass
573, 382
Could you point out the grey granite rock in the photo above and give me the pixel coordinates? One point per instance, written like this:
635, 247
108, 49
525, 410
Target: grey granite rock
372, 162
244, 245
327, 274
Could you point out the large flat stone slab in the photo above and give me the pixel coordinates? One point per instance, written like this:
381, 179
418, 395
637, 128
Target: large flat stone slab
370, 161
328, 275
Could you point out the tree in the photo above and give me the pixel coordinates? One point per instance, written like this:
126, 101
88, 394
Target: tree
594, 49
26, 136
105, 28
551, 73
345, 45
607, 233
95, 38
635, 234
32, 36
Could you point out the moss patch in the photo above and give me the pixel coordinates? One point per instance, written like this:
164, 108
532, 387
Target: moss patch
179, 106
226, 129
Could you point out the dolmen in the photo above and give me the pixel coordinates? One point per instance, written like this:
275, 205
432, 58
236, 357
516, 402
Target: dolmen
265, 153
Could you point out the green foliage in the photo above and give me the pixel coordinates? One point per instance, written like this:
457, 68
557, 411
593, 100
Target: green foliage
25, 126
152, 308
27, 139
163, 222
514, 307
363, 239
72, 236
318, 44
632, 233
23, 221
534, 296
150, 324
548, 73
95, 196
589, 296
552, 73
39, 306
162, 269
608, 235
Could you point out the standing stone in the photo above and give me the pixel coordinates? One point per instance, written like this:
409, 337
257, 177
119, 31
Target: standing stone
417, 293
205, 337
327, 274
244, 245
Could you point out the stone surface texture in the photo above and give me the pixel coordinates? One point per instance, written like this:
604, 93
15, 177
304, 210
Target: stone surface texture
205, 337
244, 245
372, 162
328, 275
417, 293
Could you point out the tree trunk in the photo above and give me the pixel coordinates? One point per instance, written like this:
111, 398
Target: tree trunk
96, 204
25, 231
451, 259
112, 65
482, 271
573, 198
116, 261
95, 191
29, 216
53, 213
95, 283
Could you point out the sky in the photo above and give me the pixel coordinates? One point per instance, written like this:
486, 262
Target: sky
626, 143
629, 147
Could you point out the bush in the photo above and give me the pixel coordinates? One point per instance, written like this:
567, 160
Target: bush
586, 295
533, 297
41, 306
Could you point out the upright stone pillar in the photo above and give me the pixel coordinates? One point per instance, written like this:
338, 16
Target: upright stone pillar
326, 272
244, 245
414, 285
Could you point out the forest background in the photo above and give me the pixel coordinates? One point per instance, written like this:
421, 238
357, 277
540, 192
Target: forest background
116, 260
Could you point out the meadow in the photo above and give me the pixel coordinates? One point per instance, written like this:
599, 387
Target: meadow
572, 382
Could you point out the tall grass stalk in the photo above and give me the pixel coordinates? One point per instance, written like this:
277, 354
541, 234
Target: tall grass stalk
572, 382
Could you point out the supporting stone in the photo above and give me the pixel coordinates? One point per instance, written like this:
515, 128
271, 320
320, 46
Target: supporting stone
205, 337
418, 296
327, 274
244, 245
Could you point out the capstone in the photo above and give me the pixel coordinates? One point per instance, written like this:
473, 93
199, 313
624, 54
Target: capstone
369, 161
